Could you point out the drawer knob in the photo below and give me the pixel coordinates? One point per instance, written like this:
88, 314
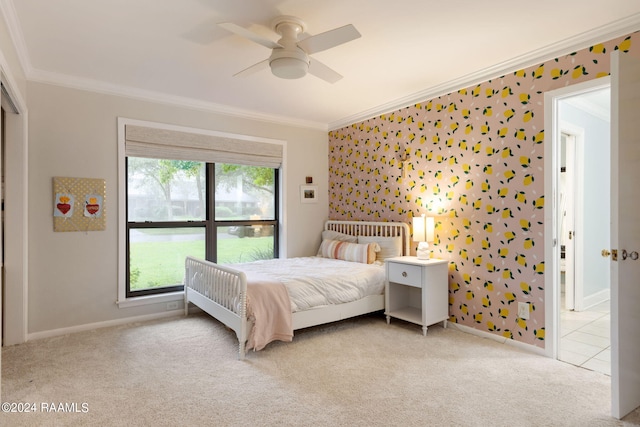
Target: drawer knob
404, 274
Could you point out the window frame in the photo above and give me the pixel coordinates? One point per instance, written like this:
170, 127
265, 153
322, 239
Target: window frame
176, 293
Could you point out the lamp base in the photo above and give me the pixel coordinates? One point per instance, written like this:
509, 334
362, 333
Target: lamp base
423, 251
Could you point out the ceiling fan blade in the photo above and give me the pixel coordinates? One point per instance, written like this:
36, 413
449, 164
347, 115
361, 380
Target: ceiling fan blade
323, 72
243, 32
329, 39
262, 65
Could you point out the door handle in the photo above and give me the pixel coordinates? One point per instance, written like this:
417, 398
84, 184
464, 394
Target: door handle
605, 253
570, 235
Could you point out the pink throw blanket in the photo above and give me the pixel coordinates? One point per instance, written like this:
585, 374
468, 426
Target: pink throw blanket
268, 305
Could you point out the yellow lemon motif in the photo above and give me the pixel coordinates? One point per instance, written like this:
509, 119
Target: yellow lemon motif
556, 73
528, 243
525, 287
469, 295
625, 45
503, 312
509, 113
539, 268
539, 333
477, 317
488, 285
522, 323
503, 252
522, 260
539, 202
524, 98
510, 297
578, 72
538, 72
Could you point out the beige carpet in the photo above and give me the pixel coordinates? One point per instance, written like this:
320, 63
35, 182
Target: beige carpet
360, 372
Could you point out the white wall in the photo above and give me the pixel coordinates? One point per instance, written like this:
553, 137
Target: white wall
73, 275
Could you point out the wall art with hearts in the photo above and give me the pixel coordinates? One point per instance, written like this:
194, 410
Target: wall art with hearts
79, 204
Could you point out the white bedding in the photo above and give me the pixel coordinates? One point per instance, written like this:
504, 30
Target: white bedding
315, 281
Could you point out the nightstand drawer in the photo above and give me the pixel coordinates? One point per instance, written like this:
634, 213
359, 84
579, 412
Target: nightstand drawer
405, 274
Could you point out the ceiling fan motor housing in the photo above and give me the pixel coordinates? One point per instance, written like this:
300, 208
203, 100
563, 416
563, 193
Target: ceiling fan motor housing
289, 62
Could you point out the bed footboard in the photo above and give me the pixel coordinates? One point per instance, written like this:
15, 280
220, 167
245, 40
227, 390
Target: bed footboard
219, 291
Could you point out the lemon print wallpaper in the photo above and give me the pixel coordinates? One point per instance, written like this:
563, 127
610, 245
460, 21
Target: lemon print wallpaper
474, 160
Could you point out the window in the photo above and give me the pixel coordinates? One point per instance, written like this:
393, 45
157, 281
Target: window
221, 211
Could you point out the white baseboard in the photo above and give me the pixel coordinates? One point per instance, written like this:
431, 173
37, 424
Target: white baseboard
97, 325
498, 338
597, 298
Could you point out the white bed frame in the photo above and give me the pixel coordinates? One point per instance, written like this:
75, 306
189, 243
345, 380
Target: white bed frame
222, 291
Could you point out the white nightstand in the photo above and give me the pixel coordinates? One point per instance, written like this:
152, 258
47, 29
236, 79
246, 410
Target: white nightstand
417, 291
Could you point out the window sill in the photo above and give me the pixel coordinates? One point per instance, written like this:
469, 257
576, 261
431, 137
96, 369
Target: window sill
152, 299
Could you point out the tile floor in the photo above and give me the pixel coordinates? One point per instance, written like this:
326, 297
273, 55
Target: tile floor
585, 338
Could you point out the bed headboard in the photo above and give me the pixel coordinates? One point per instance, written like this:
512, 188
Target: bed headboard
370, 228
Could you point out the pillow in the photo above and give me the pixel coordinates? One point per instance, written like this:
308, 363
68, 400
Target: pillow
334, 235
346, 251
389, 246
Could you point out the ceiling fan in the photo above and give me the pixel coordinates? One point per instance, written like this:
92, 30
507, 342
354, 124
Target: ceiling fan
290, 56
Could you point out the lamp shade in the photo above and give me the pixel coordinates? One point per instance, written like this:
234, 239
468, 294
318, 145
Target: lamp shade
419, 229
431, 229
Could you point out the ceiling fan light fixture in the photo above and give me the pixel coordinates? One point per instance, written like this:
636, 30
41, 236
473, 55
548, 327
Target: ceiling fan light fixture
289, 68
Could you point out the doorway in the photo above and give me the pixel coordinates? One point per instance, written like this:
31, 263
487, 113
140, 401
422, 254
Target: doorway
582, 175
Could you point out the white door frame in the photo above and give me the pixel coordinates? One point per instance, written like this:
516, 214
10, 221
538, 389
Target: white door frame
552, 128
16, 212
574, 252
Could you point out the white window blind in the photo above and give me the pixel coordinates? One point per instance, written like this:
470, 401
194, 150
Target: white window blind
141, 141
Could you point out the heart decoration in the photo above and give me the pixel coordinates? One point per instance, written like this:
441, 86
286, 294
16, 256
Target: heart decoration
63, 207
93, 208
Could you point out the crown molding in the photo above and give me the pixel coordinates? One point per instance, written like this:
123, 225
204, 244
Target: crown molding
97, 86
598, 35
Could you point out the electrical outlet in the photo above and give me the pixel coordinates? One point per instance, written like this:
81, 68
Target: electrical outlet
523, 310
172, 305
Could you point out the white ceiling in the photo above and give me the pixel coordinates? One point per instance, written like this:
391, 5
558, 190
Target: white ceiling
173, 50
